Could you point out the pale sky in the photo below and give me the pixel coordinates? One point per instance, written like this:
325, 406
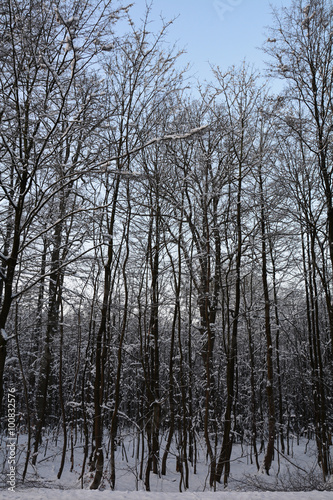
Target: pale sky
222, 32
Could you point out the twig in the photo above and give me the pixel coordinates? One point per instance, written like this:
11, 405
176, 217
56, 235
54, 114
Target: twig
292, 463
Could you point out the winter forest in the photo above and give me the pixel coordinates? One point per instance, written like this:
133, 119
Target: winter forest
166, 251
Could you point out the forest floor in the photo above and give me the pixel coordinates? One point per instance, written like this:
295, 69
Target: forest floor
53, 494
296, 473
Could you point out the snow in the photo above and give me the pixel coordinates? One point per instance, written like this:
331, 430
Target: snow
55, 494
72, 20
297, 471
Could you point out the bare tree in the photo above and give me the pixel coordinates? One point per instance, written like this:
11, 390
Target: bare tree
301, 46
47, 50
140, 80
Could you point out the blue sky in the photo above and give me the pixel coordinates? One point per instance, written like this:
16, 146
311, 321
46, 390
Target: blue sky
222, 32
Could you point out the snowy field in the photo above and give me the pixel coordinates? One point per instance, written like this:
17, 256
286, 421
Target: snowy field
52, 494
297, 473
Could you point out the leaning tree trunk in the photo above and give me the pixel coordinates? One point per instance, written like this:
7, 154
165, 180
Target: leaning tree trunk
8, 273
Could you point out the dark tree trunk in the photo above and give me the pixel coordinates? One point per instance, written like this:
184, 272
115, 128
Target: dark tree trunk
117, 395
269, 342
277, 348
225, 454
51, 331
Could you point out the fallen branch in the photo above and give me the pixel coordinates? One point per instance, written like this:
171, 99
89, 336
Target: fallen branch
292, 463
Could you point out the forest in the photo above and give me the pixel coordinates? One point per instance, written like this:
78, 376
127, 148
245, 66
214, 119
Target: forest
166, 252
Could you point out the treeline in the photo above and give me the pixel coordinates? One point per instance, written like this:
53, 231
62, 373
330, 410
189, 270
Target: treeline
166, 261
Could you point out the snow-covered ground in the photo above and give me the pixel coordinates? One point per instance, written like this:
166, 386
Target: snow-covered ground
52, 494
298, 473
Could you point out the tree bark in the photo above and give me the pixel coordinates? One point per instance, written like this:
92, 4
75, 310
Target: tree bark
269, 342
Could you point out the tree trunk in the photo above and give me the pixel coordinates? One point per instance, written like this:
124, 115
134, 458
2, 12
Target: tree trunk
225, 454
269, 343
117, 396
